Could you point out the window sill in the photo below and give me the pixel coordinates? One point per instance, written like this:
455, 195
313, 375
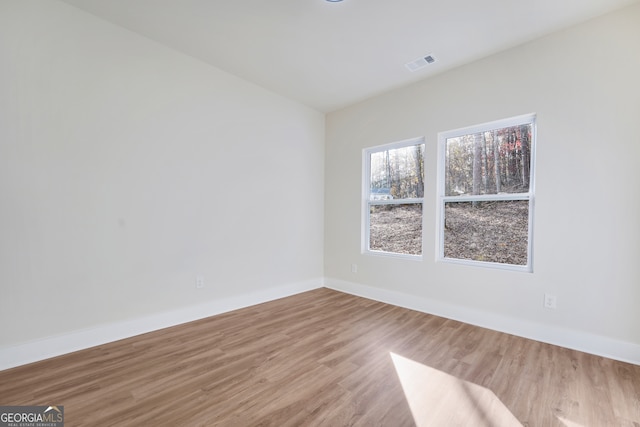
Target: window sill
393, 255
485, 264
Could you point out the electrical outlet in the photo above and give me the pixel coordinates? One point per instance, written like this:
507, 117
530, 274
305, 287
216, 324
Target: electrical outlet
354, 268
550, 301
199, 282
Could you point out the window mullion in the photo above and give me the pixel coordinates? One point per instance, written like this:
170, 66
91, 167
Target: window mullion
396, 201
487, 197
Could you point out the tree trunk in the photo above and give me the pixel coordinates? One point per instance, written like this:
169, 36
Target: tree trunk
388, 165
485, 163
496, 160
477, 163
526, 149
447, 167
419, 172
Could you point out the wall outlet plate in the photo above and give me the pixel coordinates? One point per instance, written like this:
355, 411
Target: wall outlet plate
550, 301
199, 282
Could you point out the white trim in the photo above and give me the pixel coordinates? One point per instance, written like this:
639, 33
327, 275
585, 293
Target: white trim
496, 124
487, 197
410, 201
582, 341
33, 351
395, 255
486, 264
397, 144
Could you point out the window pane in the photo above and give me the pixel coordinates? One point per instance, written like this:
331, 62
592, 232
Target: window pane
396, 228
397, 173
491, 162
487, 231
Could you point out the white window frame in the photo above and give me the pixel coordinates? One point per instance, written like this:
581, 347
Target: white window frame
367, 203
443, 199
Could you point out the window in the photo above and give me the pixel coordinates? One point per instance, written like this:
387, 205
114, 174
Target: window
486, 194
393, 193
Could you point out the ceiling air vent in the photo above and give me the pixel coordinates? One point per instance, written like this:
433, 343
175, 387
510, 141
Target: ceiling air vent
420, 62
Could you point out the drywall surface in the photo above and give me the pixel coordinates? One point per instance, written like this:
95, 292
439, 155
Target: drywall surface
128, 169
583, 85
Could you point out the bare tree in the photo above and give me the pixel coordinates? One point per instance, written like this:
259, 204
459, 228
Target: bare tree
419, 171
496, 160
485, 164
525, 163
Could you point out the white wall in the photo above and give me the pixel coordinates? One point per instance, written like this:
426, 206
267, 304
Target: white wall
126, 169
584, 85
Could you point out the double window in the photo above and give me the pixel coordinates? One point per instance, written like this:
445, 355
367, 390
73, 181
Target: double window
393, 198
486, 194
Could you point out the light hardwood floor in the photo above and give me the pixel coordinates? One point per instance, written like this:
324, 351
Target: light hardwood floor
325, 358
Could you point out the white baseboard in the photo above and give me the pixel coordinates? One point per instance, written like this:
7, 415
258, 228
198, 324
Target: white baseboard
33, 351
576, 340
45, 348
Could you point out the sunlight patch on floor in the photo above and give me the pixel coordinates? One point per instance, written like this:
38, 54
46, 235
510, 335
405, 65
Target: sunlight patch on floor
439, 399
568, 423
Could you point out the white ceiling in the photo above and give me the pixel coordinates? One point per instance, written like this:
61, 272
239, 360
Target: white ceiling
329, 55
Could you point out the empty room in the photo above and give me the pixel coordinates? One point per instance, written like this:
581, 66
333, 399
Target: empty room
319, 213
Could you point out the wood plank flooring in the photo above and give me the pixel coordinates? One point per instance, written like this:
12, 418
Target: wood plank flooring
324, 358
